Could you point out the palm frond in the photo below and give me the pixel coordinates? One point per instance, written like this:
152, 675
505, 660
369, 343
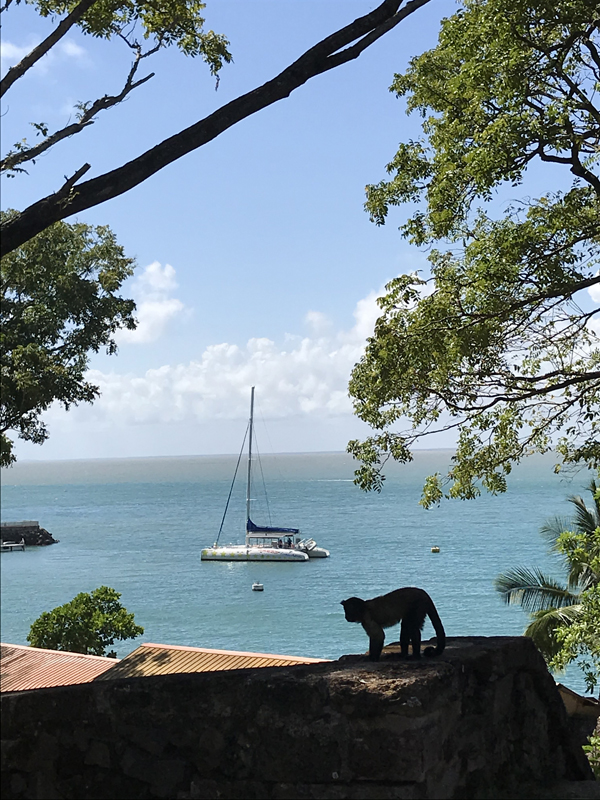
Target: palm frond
581, 576
593, 488
533, 590
552, 529
542, 629
585, 520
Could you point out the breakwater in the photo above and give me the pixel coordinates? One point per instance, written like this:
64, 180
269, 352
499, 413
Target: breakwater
27, 530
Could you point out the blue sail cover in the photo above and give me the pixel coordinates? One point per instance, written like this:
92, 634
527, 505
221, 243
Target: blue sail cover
252, 528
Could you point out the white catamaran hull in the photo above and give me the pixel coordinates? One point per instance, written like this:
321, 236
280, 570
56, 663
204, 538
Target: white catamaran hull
318, 552
309, 546
242, 553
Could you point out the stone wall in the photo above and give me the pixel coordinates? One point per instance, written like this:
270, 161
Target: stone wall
30, 531
485, 720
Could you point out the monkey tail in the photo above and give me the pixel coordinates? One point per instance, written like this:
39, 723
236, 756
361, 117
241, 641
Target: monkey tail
439, 632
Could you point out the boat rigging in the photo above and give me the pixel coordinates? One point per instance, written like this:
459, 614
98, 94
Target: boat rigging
263, 542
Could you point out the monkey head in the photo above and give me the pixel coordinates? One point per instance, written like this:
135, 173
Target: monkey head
354, 609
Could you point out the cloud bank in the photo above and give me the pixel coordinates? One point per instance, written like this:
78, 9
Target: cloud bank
306, 376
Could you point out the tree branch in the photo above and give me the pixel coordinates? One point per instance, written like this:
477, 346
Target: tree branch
87, 117
561, 293
592, 49
326, 55
70, 182
14, 73
518, 394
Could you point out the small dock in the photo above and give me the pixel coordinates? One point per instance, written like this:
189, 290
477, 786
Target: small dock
8, 547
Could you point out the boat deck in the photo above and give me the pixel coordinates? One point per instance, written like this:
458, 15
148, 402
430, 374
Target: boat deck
8, 547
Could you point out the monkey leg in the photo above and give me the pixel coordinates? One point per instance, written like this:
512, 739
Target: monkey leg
410, 634
415, 638
404, 638
376, 638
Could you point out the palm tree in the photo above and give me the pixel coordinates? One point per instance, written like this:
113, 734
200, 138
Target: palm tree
553, 604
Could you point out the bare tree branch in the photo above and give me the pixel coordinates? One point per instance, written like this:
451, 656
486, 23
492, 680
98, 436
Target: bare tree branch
70, 182
13, 159
331, 52
14, 73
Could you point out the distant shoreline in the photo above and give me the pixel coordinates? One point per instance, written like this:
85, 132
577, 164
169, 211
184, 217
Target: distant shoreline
324, 465
206, 455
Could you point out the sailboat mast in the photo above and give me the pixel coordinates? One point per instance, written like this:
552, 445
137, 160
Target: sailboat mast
250, 427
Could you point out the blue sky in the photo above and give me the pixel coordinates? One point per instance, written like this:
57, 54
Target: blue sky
256, 261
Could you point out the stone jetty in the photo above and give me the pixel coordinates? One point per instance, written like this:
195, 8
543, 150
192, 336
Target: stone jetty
27, 529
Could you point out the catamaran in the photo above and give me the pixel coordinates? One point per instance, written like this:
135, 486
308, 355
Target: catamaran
263, 542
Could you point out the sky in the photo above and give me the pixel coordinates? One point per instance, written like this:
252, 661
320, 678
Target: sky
257, 264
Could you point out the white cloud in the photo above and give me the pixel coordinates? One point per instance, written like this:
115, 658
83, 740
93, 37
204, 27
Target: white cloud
317, 322
11, 53
366, 312
306, 376
594, 326
157, 280
155, 308
594, 291
71, 49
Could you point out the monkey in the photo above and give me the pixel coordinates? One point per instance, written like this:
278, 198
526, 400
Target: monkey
411, 605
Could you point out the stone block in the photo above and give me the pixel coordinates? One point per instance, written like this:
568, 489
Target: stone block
98, 754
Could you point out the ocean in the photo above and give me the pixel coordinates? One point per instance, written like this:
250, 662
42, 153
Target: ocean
138, 525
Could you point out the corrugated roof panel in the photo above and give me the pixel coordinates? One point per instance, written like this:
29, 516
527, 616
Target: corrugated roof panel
24, 667
159, 659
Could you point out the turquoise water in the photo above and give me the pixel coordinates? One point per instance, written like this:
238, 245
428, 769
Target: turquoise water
138, 525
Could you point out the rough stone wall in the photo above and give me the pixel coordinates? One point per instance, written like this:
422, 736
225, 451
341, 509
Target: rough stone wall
485, 720
34, 535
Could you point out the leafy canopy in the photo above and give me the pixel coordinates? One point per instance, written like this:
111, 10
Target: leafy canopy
178, 23
164, 23
60, 302
88, 624
499, 343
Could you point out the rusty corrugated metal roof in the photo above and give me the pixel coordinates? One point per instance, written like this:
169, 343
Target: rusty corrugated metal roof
24, 667
166, 659
578, 704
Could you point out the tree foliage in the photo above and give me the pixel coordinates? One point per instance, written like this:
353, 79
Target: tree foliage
499, 343
60, 302
88, 624
170, 22
580, 641
565, 617
162, 24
